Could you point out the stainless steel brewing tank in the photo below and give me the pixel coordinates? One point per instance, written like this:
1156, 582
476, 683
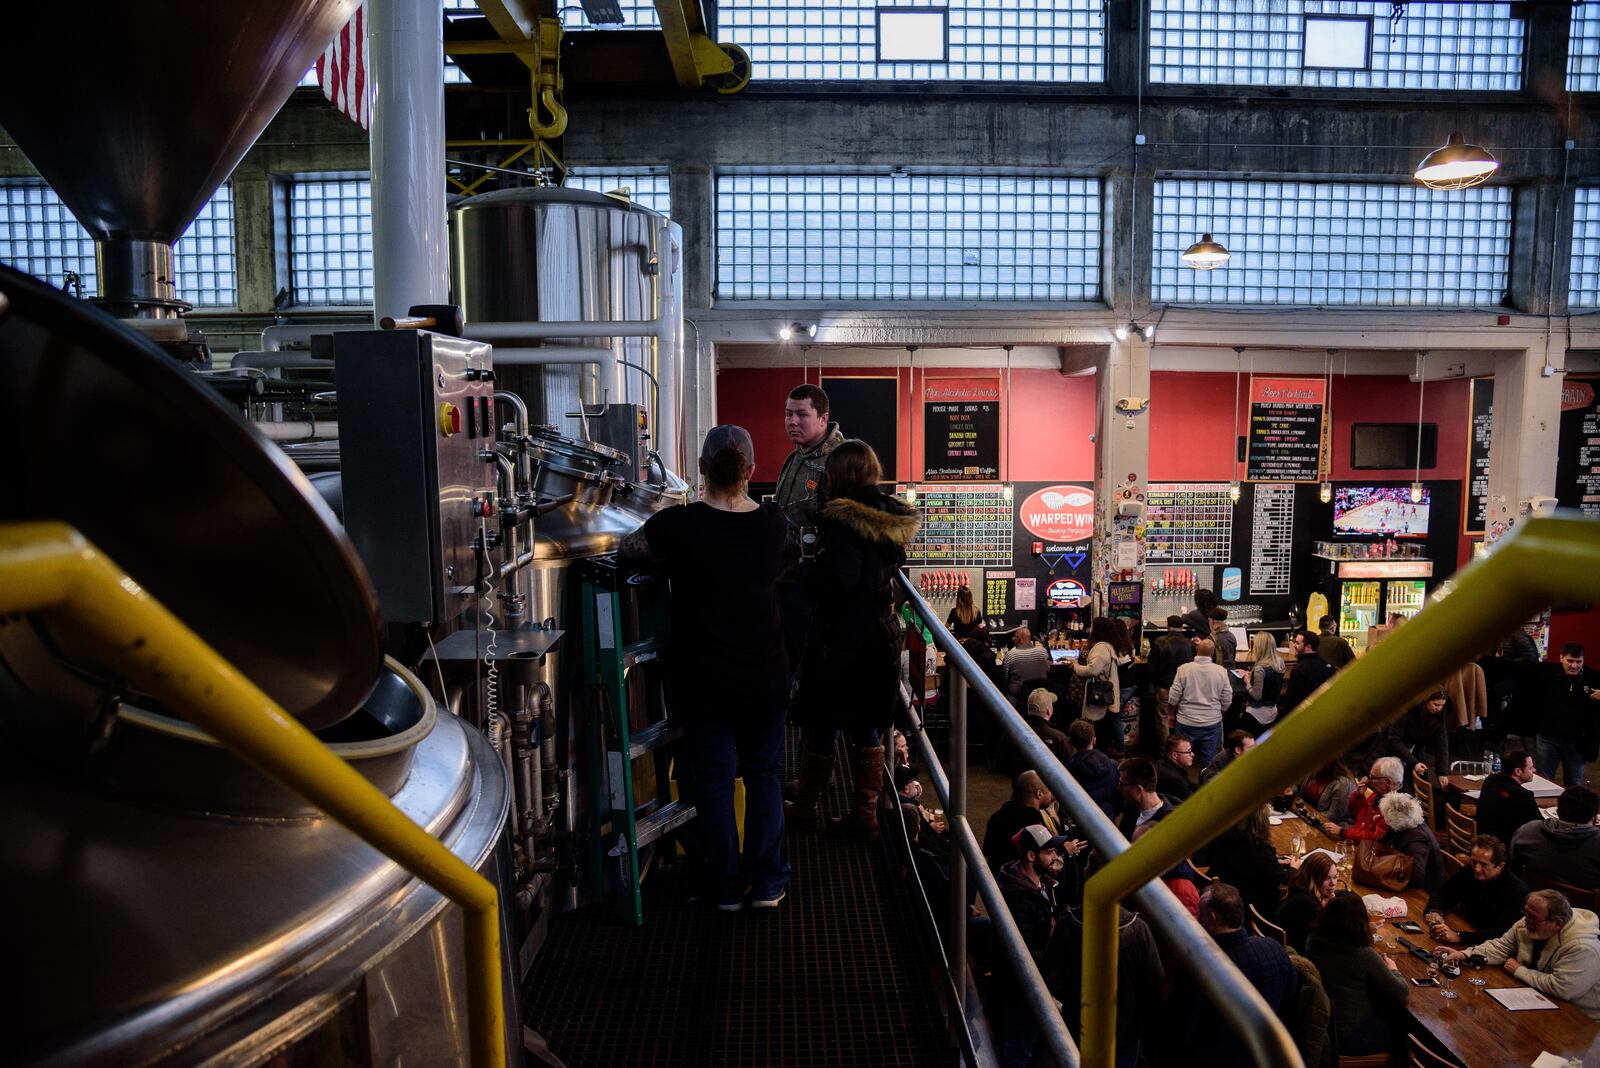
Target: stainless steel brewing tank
568, 255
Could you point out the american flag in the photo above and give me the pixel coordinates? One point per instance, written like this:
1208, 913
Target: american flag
342, 69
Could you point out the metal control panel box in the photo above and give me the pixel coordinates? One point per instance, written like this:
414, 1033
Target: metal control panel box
626, 428
417, 452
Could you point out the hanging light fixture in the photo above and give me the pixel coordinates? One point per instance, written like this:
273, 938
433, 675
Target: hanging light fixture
1234, 489
1008, 492
1205, 254
1457, 165
1422, 381
1325, 491
1120, 333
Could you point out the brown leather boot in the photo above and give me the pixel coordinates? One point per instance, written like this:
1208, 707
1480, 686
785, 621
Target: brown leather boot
804, 813
863, 818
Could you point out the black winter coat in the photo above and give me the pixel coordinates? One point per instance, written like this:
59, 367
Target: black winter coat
851, 667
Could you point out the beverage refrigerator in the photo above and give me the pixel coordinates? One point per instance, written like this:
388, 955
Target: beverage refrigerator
1363, 594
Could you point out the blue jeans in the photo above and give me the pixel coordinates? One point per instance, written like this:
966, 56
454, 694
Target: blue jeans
752, 749
1206, 741
1564, 751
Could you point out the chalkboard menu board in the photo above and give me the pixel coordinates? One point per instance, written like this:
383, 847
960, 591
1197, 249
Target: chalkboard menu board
1478, 437
1578, 466
865, 408
961, 429
1285, 430
1271, 539
1188, 523
964, 526
997, 593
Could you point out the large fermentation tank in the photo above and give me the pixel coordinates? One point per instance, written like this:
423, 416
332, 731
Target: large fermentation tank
176, 906
551, 255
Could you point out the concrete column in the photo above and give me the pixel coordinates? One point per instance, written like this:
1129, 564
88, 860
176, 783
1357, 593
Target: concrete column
694, 209
405, 41
1541, 241
1125, 270
1526, 427
1125, 50
1122, 452
255, 241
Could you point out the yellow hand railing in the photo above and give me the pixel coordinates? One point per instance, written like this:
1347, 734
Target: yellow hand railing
52, 570
1543, 560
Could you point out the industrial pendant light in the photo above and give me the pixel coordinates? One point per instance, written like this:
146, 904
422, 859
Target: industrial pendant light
1205, 254
1422, 381
1457, 165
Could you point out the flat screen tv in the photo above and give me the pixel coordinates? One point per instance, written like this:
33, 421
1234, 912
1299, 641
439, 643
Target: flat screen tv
1379, 511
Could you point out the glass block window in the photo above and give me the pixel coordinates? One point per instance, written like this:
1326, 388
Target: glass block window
1469, 45
40, 236
1347, 243
985, 40
1583, 49
923, 238
636, 15
651, 187
207, 257
1584, 284
330, 239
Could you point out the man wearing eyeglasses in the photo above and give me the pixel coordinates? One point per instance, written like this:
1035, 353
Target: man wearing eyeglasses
1172, 770
1366, 821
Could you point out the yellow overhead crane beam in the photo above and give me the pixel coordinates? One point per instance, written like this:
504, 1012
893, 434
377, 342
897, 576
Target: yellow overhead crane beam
697, 60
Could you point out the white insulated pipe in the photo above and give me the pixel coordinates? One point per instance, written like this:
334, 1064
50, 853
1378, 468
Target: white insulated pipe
405, 42
299, 430
538, 330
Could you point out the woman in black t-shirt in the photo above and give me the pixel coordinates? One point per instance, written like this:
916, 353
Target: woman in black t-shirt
728, 673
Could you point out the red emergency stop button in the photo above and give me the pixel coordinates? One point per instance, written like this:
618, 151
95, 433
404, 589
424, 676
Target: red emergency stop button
449, 419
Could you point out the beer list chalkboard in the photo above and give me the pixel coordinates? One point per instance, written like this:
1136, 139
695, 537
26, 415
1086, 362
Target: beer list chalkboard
1578, 463
1478, 440
1285, 430
961, 430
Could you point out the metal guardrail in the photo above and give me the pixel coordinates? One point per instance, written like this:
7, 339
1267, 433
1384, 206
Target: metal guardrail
1235, 998
52, 569
1542, 560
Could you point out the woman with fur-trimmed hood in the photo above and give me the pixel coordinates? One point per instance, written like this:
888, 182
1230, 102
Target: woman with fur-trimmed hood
851, 669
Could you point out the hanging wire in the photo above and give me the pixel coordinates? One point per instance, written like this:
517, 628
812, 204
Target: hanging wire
1422, 383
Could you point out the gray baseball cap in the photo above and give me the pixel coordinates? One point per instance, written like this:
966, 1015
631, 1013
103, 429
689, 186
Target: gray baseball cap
728, 436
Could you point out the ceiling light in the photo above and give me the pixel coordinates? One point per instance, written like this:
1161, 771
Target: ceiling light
1416, 493
1325, 493
1121, 333
1149, 331
911, 495
1234, 492
1008, 491
789, 331
786, 332
811, 330
1457, 165
1205, 254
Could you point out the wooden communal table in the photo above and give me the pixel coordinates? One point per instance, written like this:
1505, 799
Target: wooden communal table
1458, 785
1474, 1027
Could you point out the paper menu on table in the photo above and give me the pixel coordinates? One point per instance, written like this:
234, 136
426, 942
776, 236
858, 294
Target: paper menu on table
1546, 1059
1520, 998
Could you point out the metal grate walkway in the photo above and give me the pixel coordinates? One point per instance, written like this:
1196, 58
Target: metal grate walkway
839, 975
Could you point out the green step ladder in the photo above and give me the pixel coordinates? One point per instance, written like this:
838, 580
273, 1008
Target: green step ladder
625, 628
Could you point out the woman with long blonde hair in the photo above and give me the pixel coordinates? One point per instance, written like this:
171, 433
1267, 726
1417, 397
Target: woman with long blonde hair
1265, 684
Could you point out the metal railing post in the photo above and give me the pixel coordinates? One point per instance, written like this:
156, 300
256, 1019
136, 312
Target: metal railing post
954, 812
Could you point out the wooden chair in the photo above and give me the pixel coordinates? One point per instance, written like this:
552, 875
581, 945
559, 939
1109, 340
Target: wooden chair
1451, 862
1461, 828
1580, 898
1267, 929
1422, 1056
1422, 786
1366, 1060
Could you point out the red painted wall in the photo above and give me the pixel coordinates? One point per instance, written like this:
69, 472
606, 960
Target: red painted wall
1189, 413
1051, 417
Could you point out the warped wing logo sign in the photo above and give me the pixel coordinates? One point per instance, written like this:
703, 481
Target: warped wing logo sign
1059, 514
